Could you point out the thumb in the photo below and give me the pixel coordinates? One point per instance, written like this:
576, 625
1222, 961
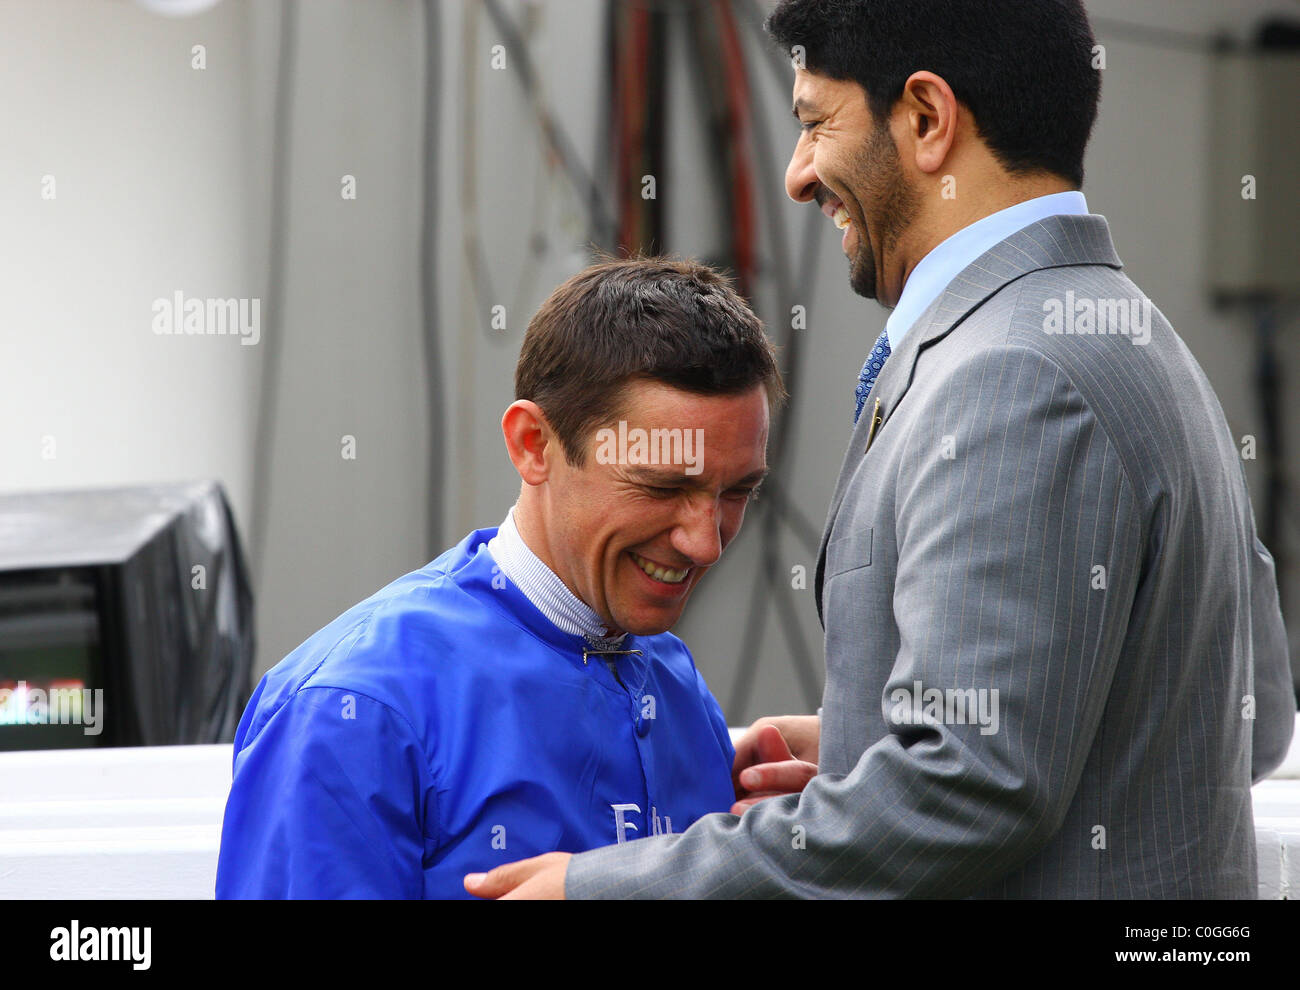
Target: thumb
493, 884
772, 747
506, 878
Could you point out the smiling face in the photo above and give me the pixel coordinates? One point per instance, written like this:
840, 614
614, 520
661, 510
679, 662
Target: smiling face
632, 540
848, 163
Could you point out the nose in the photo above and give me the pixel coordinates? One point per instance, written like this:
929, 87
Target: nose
801, 180
698, 535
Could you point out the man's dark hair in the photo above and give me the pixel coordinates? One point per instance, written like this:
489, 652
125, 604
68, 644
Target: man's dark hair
666, 320
1022, 67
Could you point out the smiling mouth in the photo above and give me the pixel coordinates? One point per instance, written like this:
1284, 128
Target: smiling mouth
837, 213
658, 571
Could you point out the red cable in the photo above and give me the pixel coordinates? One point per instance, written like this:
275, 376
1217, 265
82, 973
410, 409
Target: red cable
743, 232
630, 125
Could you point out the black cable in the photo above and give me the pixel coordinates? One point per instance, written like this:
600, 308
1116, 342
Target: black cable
656, 123
778, 508
796, 645
807, 534
1268, 382
778, 60
481, 291
429, 276
521, 64
1278, 505
277, 266
709, 89
605, 126
755, 620
785, 289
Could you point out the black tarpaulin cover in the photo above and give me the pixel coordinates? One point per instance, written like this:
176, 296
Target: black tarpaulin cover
173, 645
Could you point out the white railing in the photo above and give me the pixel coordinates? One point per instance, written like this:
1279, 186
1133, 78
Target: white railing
146, 823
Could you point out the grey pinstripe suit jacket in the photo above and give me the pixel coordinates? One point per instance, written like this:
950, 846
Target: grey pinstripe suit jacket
1062, 519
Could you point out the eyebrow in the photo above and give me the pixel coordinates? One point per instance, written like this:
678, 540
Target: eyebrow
802, 104
669, 479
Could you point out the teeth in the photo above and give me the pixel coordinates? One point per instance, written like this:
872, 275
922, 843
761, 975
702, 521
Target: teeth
660, 573
841, 218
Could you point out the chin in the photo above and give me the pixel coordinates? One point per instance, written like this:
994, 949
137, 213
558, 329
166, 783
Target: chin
648, 626
650, 623
863, 283
862, 275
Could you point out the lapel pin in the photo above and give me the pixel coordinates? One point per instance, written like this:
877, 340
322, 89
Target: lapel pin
875, 423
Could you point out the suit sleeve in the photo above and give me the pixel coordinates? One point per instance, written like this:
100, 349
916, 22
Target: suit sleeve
1275, 700
331, 799
997, 534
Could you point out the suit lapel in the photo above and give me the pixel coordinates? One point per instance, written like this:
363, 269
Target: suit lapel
1055, 242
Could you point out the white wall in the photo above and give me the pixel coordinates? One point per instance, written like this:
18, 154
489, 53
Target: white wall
163, 179
153, 184
351, 366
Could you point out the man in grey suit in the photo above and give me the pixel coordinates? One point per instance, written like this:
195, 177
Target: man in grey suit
1055, 660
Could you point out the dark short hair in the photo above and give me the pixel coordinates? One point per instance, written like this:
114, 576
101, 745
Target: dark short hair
1022, 67
667, 320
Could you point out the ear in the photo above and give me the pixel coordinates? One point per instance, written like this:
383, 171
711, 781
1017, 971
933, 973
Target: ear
530, 442
930, 112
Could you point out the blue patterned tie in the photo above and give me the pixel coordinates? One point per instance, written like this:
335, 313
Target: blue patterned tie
870, 370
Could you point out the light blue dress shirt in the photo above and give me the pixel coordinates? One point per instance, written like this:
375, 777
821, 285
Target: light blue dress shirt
943, 264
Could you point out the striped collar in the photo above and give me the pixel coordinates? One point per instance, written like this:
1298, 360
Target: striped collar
543, 587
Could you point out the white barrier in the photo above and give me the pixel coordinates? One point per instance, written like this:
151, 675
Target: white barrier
145, 823
112, 824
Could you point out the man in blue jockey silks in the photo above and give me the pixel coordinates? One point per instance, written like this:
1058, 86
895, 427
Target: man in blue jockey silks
521, 694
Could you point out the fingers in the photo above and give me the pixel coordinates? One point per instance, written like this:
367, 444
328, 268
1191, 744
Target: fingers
760, 744
747, 747
802, 734
506, 878
771, 746
798, 733
766, 767
784, 777
743, 805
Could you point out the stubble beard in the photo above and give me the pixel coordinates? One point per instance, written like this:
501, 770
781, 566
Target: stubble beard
878, 179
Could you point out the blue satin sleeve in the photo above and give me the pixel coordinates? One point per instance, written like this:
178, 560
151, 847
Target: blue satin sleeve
331, 798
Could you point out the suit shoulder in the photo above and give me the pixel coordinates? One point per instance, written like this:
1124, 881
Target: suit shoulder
1115, 357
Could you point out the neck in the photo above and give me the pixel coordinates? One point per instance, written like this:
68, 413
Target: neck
528, 521
996, 192
518, 556
532, 530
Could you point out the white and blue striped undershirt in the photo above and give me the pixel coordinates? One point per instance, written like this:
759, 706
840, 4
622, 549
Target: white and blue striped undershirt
541, 586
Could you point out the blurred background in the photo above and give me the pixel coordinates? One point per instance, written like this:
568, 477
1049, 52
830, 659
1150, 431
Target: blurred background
400, 184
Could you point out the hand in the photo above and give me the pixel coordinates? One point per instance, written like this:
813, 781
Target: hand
776, 756
539, 879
